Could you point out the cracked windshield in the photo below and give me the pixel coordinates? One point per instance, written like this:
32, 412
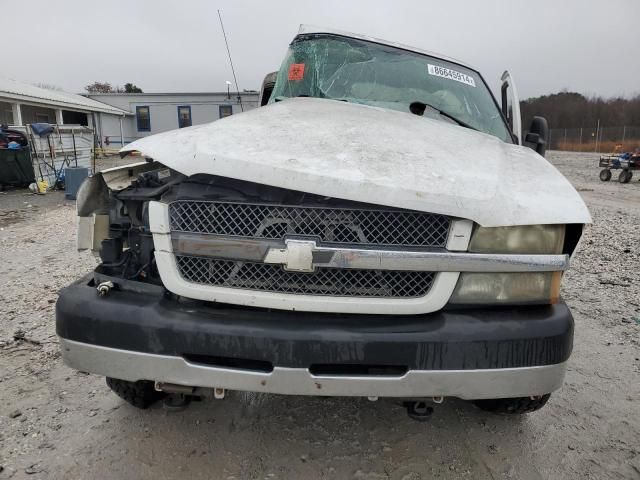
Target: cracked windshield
339, 68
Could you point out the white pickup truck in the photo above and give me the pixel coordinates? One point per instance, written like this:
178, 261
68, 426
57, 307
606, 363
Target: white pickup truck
380, 228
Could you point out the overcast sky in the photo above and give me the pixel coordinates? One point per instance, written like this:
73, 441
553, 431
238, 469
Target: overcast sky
177, 46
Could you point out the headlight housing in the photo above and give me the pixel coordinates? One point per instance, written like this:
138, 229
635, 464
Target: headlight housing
512, 288
507, 288
526, 239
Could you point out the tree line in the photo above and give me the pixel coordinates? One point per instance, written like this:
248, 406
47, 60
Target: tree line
574, 110
106, 87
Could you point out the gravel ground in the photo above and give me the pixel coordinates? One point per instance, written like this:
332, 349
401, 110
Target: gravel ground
59, 424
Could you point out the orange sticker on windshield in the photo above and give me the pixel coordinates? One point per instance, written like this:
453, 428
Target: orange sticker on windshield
296, 71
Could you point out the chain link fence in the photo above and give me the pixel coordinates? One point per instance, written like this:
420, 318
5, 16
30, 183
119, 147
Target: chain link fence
602, 139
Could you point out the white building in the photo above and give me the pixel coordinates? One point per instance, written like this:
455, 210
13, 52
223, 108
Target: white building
117, 116
158, 112
22, 104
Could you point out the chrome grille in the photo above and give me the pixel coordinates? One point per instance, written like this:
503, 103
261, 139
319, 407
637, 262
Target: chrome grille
324, 281
332, 225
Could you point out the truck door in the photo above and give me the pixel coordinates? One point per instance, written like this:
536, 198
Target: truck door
511, 105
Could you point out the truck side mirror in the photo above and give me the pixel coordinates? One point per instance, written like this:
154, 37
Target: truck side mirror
538, 135
267, 87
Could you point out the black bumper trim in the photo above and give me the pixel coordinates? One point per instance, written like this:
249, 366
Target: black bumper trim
446, 340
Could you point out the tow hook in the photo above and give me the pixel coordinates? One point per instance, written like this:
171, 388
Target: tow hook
178, 396
104, 288
177, 401
418, 410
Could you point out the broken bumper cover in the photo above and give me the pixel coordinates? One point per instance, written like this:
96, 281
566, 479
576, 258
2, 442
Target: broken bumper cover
471, 354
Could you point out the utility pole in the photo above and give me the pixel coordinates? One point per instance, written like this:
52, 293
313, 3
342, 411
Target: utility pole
549, 142
580, 138
597, 135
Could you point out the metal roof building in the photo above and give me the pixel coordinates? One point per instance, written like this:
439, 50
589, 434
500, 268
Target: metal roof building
117, 118
22, 103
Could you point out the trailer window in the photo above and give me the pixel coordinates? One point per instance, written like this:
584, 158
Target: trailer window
143, 119
184, 116
225, 111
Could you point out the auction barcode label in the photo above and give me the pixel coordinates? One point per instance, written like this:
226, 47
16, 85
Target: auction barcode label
451, 74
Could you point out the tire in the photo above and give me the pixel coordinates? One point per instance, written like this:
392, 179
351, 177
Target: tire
513, 406
624, 176
605, 174
140, 394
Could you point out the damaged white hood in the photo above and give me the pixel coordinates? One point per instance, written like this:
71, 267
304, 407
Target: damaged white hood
377, 156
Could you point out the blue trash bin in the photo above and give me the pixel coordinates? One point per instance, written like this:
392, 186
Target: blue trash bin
73, 178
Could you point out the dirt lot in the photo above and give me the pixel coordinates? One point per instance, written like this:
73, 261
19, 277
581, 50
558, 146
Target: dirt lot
59, 424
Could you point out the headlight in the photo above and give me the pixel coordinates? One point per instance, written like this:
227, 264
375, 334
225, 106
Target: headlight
507, 288
512, 288
532, 239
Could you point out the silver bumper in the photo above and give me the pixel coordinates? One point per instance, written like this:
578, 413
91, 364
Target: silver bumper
466, 384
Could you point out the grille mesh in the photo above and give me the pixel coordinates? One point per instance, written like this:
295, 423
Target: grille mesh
324, 281
345, 226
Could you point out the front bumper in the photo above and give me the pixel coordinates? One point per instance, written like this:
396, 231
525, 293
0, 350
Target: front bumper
471, 354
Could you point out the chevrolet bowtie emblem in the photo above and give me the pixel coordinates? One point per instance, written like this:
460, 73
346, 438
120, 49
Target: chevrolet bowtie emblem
297, 256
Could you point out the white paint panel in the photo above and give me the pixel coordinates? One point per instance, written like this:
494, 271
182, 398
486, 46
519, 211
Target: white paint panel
459, 235
159, 217
377, 156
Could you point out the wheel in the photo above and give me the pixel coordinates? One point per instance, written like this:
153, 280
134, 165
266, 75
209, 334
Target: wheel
605, 174
140, 394
513, 406
625, 176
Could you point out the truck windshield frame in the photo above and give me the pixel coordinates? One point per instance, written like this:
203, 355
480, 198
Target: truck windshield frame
341, 68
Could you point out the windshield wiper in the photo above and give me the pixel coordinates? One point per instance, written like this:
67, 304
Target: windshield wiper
279, 98
418, 108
